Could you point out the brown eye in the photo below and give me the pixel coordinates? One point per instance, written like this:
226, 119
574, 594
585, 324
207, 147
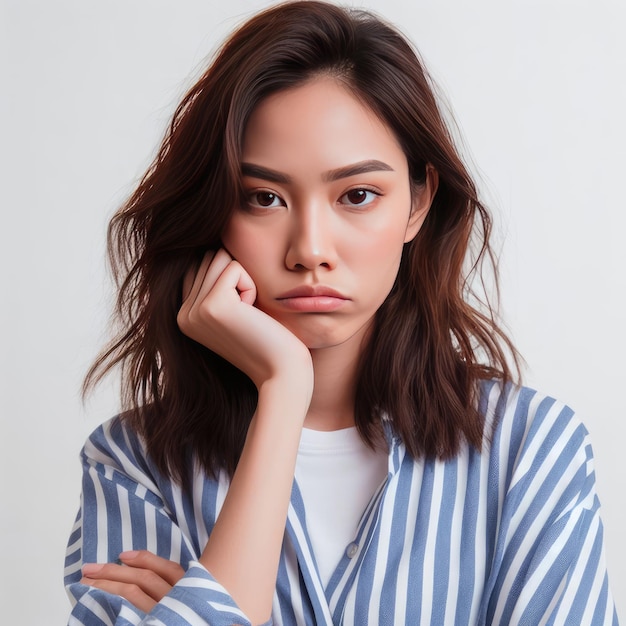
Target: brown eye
358, 197
265, 200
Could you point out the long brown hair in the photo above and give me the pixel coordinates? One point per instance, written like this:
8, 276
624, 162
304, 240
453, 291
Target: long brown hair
429, 347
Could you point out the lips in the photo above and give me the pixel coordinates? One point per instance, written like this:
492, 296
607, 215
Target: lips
311, 291
312, 299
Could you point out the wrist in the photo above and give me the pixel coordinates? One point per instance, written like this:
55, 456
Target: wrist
286, 395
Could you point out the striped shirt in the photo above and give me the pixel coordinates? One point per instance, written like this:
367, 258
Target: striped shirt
510, 535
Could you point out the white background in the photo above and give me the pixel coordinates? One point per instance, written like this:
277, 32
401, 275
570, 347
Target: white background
538, 89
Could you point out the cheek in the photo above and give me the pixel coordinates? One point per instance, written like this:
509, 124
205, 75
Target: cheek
239, 242
380, 263
380, 250
254, 250
380, 236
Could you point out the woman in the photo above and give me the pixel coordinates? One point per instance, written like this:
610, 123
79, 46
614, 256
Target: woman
293, 303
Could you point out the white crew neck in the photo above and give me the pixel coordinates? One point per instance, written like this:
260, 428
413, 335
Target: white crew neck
337, 475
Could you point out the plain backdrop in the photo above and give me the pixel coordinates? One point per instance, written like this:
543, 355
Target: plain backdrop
87, 89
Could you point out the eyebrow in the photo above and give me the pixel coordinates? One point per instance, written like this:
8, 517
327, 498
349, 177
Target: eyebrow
362, 167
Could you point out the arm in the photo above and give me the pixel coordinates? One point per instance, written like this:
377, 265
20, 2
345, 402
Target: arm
549, 566
127, 505
243, 549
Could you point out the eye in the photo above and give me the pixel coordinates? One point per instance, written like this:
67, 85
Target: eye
265, 200
359, 197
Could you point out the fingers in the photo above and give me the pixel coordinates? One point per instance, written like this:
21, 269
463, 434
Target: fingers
188, 280
169, 571
216, 265
235, 276
219, 313
194, 279
143, 580
199, 282
149, 582
131, 592
219, 282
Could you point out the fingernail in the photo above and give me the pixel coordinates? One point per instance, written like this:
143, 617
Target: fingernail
91, 568
130, 554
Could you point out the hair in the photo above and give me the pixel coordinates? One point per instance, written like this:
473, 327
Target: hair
429, 347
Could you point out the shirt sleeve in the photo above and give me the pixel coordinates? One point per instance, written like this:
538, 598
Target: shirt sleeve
550, 564
122, 509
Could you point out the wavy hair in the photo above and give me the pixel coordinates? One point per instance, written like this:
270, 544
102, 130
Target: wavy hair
429, 346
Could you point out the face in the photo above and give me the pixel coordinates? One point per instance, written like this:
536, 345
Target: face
329, 208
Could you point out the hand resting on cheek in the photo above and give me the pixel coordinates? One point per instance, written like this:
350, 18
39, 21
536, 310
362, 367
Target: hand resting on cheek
217, 312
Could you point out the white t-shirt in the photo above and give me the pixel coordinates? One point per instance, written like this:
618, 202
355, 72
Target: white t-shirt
337, 475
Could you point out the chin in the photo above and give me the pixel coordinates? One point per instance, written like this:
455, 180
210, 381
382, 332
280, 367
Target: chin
318, 341
324, 336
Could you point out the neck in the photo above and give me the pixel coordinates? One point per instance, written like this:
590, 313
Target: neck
332, 403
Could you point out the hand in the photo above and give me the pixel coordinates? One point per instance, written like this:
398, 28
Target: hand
143, 579
218, 312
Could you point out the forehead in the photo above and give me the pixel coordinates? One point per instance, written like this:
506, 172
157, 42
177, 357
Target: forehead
319, 120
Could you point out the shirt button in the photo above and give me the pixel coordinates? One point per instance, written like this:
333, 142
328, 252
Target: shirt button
352, 549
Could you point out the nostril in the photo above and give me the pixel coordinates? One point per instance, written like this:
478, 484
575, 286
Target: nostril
302, 267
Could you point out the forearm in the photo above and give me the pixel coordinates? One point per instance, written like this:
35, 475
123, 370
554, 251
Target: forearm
244, 547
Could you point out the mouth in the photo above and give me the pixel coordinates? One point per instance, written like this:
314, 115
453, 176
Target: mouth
312, 299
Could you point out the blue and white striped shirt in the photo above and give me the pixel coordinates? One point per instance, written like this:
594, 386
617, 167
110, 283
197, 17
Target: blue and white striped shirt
511, 535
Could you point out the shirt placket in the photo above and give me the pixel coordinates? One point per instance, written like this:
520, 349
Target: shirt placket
328, 604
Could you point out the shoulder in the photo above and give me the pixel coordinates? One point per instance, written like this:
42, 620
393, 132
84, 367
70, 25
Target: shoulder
117, 453
548, 562
540, 443
524, 417
114, 443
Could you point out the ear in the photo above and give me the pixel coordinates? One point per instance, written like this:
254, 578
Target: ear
420, 205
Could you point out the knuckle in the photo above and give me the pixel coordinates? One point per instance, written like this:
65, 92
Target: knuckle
182, 319
150, 578
132, 590
206, 310
206, 314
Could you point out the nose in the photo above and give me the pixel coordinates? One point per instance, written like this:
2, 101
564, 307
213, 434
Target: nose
311, 239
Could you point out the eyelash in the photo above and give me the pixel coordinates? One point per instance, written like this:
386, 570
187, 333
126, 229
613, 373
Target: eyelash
369, 190
275, 196
259, 192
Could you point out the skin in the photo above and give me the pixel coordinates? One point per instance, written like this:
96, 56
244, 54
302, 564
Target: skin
333, 216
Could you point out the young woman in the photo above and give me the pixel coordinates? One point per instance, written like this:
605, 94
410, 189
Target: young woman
319, 428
